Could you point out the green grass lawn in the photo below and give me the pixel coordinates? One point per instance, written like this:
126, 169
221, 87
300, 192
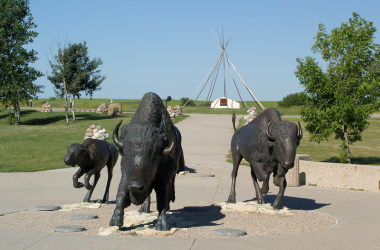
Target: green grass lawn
364, 152
41, 142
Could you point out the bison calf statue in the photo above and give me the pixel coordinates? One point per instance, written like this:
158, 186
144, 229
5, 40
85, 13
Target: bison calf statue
269, 145
151, 153
92, 156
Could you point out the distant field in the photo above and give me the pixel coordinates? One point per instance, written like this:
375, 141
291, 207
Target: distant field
41, 142
130, 105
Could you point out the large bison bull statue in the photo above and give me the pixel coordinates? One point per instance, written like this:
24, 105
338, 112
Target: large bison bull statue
92, 156
151, 152
269, 145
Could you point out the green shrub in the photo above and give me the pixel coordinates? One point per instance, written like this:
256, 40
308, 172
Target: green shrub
296, 99
10, 118
185, 99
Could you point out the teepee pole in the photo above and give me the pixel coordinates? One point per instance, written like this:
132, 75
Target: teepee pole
212, 68
241, 78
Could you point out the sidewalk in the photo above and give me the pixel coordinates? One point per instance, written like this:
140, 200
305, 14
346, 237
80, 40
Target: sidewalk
205, 140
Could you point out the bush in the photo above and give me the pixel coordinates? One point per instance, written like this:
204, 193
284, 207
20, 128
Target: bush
185, 99
296, 99
10, 118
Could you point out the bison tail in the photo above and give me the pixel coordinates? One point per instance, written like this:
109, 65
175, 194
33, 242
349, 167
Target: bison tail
233, 121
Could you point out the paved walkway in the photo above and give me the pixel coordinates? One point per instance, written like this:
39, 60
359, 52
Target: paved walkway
206, 140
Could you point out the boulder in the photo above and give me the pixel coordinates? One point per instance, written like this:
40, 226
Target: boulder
46, 107
252, 114
114, 109
102, 108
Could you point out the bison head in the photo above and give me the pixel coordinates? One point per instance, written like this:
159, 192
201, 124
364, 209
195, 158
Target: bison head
142, 145
75, 154
286, 137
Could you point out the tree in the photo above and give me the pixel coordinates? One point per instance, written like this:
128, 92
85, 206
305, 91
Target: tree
16, 76
341, 99
73, 72
295, 99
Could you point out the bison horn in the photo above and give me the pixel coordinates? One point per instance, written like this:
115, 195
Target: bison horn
300, 134
115, 136
169, 149
270, 137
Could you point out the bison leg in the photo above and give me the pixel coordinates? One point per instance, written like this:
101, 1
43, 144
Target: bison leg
162, 194
181, 165
89, 193
259, 196
106, 193
122, 201
87, 178
261, 175
281, 182
145, 207
236, 158
76, 176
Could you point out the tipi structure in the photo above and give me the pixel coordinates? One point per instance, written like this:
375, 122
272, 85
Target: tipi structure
223, 61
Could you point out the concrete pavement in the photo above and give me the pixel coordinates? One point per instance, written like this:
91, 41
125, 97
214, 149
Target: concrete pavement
206, 140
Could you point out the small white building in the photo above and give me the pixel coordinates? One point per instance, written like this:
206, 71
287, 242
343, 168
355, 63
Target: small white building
224, 103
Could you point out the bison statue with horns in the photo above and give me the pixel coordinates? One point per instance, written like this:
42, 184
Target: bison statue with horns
269, 145
151, 153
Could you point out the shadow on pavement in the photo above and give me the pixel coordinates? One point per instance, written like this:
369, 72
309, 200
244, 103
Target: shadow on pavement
201, 215
295, 202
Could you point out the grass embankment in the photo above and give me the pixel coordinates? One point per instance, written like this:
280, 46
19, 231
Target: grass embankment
42, 139
132, 105
365, 152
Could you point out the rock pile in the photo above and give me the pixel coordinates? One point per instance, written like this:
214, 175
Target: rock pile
46, 107
252, 114
102, 109
175, 111
96, 132
114, 109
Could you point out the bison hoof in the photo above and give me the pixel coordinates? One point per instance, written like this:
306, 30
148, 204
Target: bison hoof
161, 225
144, 209
276, 205
79, 185
116, 222
231, 200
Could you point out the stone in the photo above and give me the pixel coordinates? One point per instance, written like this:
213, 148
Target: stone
98, 127
89, 130
89, 134
46, 107
206, 175
83, 216
114, 109
174, 111
102, 108
252, 114
230, 232
108, 231
129, 233
93, 126
69, 228
47, 208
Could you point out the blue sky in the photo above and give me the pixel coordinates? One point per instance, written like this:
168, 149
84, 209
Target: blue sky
168, 46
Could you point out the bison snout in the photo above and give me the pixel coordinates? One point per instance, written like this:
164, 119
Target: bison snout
135, 187
289, 164
68, 161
